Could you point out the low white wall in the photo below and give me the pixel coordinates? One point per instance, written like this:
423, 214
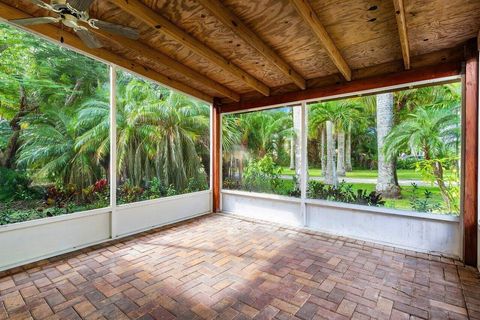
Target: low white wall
146, 215
31, 241
278, 209
410, 230
34, 240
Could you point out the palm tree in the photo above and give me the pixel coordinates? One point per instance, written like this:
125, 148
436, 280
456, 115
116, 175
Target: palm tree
48, 149
341, 114
386, 182
159, 133
433, 131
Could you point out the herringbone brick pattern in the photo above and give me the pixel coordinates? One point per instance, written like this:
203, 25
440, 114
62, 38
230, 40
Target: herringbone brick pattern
219, 267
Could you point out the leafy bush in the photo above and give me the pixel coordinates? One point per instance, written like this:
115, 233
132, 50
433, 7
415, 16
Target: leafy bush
427, 204
408, 163
9, 216
231, 184
59, 196
98, 192
262, 175
343, 193
130, 193
15, 185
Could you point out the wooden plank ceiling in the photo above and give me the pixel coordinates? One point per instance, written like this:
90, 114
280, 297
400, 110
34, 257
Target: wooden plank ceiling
246, 50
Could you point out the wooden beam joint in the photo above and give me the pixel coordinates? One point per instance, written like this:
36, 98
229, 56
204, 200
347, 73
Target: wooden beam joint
402, 31
156, 21
371, 83
243, 31
311, 19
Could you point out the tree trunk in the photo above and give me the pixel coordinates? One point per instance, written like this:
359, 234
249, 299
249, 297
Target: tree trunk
297, 122
10, 153
330, 173
386, 184
438, 172
341, 153
348, 150
292, 153
71, 98
323, 154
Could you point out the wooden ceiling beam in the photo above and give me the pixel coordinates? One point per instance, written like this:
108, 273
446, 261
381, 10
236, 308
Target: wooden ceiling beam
402, 31
62, 36
370, 83
148, 52
230, 20
307, 13
161, 24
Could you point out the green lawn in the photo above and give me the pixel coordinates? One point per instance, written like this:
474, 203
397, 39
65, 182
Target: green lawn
404, 201
403, 174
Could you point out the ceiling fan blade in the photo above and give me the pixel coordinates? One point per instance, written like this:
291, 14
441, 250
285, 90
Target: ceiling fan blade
117, 29
42, 4
89, 39
80, 5
34, 21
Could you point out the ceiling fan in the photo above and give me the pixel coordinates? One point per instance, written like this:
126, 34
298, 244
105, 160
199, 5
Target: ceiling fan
74, 14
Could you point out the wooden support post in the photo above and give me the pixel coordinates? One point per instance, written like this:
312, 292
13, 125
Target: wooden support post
470, 197
216, 155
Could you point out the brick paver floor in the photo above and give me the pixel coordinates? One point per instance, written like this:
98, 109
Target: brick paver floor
220, 267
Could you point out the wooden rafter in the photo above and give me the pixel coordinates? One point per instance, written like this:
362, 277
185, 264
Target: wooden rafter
7, 12
402, 31
374, 82
145, 51
230, 20
161, 24
311, 19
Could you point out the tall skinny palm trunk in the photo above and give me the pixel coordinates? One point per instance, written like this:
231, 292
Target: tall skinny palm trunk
348, 150
297, 123
341, 153
386, 182
292, 153
323, 154
330, 172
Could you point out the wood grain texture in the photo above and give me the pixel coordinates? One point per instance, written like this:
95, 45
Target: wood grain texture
425, 60
161, 24
402, 32
233, 22
311, 19
438, 24
365, 32
470, 196
370, 83
153, 55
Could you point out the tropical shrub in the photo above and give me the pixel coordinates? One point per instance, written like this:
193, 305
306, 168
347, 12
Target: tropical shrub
425, 204
15, 185
128, 192
343, 193
262, 175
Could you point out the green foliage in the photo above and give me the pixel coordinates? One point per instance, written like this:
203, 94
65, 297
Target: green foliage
129, 192
451, 191
15, 185
343, 193
409, 163
5, 133
55, 103
262, 175
425, 204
